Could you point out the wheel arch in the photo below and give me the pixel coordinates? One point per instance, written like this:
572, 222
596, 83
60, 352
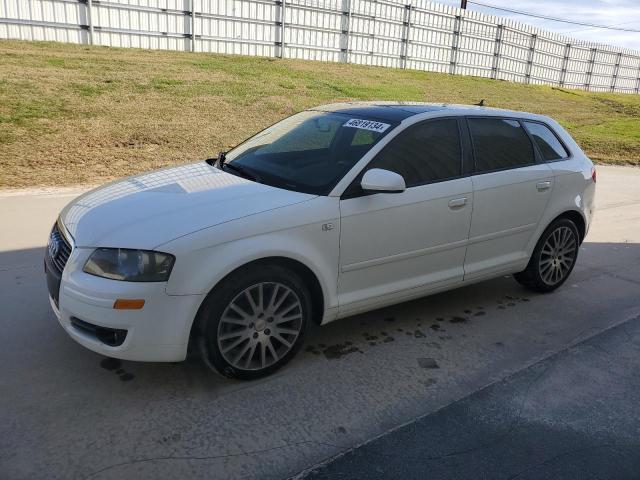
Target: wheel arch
577, 218
296, 266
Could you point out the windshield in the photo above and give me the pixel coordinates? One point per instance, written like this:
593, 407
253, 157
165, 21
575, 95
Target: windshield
308, 152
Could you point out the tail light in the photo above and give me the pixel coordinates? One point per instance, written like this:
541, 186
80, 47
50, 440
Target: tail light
593, 174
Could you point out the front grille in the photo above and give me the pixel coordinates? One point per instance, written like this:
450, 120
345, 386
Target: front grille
58, 249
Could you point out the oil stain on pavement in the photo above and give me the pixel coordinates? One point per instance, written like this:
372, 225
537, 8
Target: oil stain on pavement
115, 365
340, 350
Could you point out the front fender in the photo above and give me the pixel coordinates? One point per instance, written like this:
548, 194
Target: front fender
295, 232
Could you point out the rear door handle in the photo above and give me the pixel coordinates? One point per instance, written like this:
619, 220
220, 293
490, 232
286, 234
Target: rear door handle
542, 186
457, 203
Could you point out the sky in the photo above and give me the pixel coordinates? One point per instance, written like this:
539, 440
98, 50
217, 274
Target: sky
619, 13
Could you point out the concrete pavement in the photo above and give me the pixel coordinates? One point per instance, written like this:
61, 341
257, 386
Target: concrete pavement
65, 413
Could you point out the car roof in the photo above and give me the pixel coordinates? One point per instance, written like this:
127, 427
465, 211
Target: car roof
398, 111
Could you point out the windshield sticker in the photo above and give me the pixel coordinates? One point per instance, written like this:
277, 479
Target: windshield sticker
367, 125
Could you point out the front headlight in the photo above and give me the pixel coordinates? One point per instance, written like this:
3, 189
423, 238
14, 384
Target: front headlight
130, 265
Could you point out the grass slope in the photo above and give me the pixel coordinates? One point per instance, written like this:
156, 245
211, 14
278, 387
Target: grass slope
71, 114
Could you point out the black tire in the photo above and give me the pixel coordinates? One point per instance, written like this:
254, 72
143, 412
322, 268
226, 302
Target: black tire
537, 275
258, 278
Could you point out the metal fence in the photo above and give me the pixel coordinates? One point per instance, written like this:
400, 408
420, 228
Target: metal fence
419, 35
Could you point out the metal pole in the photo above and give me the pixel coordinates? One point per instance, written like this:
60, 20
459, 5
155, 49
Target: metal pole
592, 59
90, 20
455, 44
346, 29
193, 25
463, 4
496, 52
532, 51
616, 70
282, 28
565, 63
405, 36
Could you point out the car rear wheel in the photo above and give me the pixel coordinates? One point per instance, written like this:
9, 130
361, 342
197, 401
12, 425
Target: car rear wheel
553, 258
255, 321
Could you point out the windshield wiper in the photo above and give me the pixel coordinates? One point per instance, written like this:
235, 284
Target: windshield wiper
242, 171
219, 160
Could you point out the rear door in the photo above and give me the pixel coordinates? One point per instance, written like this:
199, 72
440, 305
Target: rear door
511, 191
396, 245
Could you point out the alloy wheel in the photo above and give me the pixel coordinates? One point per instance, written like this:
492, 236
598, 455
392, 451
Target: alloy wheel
259, 326
558, 255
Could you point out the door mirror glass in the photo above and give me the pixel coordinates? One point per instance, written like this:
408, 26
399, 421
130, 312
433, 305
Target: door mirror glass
382, 181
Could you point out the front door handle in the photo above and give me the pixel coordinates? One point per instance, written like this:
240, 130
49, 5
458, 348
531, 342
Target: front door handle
542, 186
457, 203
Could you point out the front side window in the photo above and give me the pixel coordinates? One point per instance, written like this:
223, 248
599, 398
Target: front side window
424, 153
308, 152
499, 144
548, 144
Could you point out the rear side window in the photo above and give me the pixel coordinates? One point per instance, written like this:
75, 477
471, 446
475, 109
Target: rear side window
499, 144
424, 153
548, 144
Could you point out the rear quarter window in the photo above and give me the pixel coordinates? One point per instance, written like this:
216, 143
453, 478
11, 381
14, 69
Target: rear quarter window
546, 141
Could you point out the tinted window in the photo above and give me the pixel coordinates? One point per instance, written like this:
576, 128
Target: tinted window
423, 153
499, 144
548, 144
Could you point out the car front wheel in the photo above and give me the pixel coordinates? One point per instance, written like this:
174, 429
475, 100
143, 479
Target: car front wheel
553, 258
255, 321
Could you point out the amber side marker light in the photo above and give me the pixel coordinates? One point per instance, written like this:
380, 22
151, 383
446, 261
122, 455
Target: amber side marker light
125, 304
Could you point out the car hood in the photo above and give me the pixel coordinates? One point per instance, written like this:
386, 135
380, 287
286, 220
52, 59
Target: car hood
147, 210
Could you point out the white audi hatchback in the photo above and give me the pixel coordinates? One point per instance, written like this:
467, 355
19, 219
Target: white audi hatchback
334, 211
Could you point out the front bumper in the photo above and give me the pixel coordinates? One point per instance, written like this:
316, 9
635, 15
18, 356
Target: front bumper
159, 332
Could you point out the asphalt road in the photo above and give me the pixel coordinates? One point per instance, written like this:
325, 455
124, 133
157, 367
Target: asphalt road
571, 416
562, 368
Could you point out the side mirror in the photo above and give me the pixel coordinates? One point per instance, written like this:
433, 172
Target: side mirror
382, 181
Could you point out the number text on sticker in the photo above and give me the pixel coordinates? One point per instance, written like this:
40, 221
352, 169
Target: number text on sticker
367, 125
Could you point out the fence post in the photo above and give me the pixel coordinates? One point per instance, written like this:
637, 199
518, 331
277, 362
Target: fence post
565, 63
405, 35
496, 52
638, 81
283, 8
193, 25
90, 20
616, 70
455, 44
532, 50
592, 59
346, 30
